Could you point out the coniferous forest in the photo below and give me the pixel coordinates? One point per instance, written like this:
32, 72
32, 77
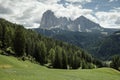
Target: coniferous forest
28, 45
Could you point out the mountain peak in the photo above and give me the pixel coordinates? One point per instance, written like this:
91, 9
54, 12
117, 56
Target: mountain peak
48, 12
82, 16
48, 20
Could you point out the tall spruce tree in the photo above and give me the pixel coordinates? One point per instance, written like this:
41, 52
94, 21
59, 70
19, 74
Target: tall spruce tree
58, 57
51, 55
76, 61
2, 34
64, 60
116, 62
43, 52
19, 41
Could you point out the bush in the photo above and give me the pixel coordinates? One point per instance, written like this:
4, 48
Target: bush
115, 62
10, 51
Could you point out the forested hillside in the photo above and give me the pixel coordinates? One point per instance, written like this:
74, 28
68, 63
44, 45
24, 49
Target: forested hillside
109, 46
28, 45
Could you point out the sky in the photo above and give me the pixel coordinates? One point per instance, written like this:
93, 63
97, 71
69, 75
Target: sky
29, 12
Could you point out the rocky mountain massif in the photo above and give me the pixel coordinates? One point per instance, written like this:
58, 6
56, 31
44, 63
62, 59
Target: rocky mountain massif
49, 21
81, 32
81, 24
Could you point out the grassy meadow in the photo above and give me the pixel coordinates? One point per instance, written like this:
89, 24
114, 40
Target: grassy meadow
13, 69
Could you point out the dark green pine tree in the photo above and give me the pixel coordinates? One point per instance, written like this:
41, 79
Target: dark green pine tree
43, 52
51, 56
37, 54
2, 34
70, 58
83, 64
9, 37
64, 60
40, 52
76, 61
19, 41
58, 57
116, 62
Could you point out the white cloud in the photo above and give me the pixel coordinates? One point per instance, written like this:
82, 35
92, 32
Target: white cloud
78, 1
71, 11
25, 12
48, 1
118, 21
29, 12
92, 18
111, 0
108, 19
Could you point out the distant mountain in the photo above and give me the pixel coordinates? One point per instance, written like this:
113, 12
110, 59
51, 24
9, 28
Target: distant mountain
81, 24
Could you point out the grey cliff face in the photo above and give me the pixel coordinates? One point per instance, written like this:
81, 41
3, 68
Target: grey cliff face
81, 24
48, 20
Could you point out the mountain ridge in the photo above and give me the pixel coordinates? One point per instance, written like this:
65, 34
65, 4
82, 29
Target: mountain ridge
50, 21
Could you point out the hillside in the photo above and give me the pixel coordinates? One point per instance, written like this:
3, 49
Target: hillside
110, 46
89, 41
13, 69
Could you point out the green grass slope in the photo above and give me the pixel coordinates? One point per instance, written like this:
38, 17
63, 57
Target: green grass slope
14, 69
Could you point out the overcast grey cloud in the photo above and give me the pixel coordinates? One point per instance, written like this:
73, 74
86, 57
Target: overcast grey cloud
117, 21
4, 10
29, 12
